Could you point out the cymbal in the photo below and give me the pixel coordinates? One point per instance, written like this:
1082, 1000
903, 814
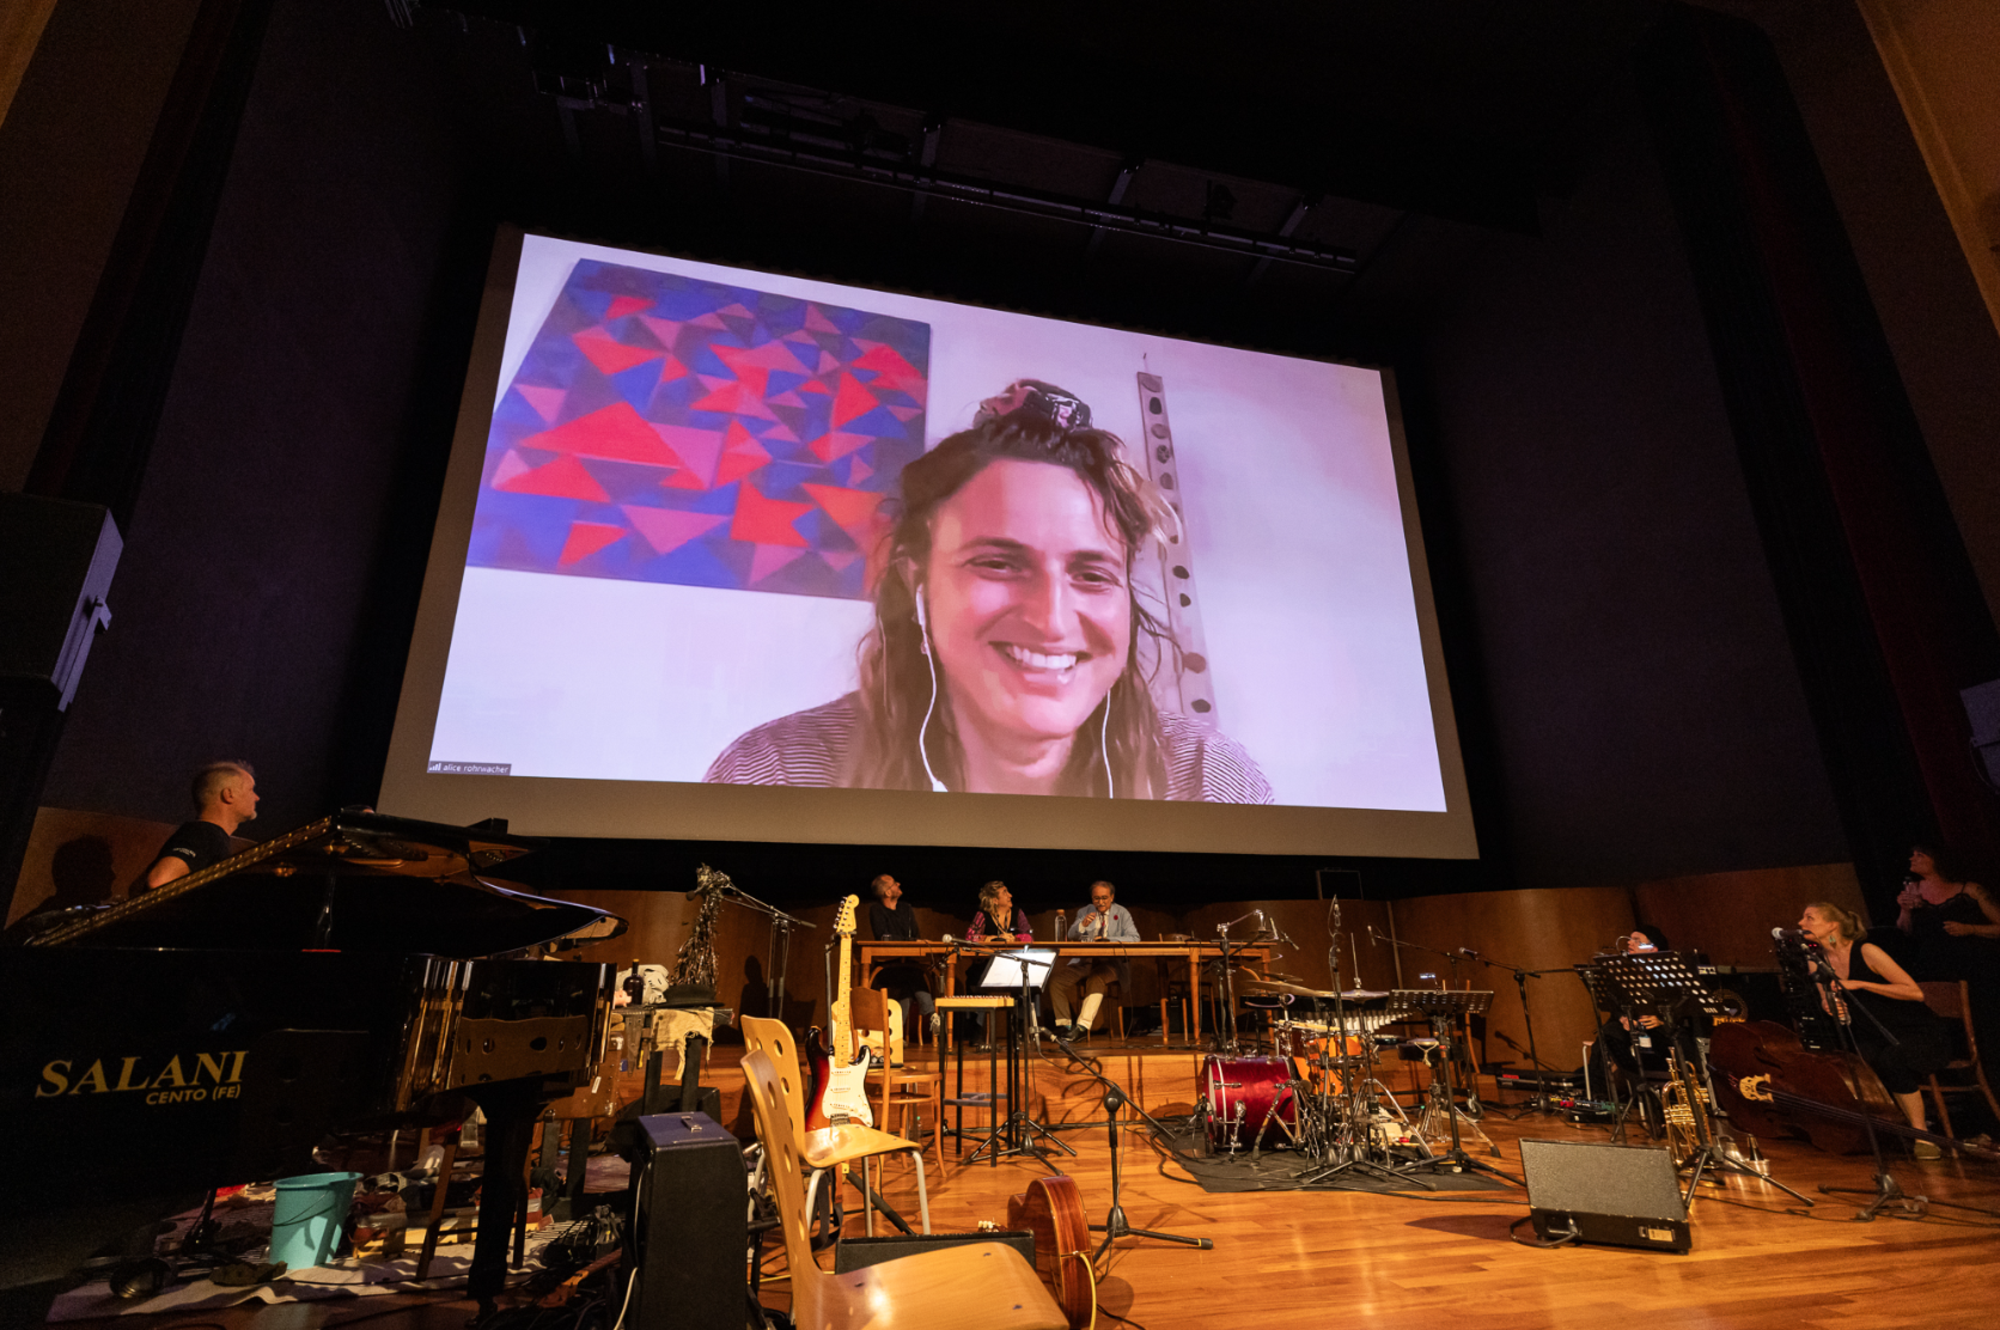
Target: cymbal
1267, 985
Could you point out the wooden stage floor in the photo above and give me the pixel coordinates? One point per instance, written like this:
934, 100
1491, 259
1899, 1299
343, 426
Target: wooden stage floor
1420, 1260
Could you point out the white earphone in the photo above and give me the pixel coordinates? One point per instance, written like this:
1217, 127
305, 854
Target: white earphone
923, 733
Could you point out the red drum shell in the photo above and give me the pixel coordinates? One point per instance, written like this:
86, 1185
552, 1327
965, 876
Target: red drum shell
1259, 1085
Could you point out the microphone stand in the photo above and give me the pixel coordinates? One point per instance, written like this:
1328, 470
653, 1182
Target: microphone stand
1114, 1226
778, 949
1539, 1101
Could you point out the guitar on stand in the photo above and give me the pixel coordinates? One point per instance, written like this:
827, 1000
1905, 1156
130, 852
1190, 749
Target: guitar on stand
839, 1085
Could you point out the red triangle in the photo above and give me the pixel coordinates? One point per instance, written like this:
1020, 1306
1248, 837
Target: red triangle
851, 401
833, 446
546, 401
510, 466
769, 559
766, 521
894, 371
680, 478
698, 450
813, 386
564, 478
608, 354
667, 529
616, 433
587, 538
741, 454
664, 329
623, 305
851, 510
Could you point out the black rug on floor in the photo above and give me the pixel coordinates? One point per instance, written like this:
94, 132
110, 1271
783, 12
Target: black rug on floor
1280, 1170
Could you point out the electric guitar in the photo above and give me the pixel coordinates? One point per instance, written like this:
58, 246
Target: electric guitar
839, 1086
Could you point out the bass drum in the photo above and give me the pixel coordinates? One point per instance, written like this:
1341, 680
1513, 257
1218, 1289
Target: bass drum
1244, 1095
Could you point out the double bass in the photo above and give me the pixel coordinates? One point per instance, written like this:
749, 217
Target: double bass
1767, 1083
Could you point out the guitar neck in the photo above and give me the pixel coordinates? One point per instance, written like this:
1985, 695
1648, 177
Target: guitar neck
841, 1009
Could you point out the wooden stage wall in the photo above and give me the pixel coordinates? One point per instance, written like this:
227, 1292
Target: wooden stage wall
81, 856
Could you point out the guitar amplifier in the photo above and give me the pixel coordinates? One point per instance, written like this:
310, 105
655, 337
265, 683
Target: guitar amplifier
852, 1254
1618, 1195
690, 1227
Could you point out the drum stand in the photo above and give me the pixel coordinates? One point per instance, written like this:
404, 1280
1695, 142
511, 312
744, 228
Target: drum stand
1114, 1226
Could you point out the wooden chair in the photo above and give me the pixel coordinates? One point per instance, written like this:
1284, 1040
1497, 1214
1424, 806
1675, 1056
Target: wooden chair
829, 1147
1952, 999
900, 1088
979, 1286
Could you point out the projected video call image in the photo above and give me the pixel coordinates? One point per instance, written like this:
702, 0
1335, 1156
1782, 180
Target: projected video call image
750, 529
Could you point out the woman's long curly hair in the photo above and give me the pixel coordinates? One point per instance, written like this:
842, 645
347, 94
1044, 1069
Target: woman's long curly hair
895, 678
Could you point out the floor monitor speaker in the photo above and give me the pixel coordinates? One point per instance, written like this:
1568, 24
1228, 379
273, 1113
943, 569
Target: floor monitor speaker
691, 1227
1621, 1195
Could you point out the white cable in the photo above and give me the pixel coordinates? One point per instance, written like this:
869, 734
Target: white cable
923, 731
1104, 747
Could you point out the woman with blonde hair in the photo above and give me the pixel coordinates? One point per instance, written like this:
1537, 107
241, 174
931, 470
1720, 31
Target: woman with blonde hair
1905, 1042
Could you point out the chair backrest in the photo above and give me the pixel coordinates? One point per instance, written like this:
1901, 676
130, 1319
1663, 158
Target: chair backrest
895, 1058
774, 1040
868, 1019
770, 1085
1945, 997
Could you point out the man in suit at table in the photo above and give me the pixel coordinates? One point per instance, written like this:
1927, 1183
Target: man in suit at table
1092, 976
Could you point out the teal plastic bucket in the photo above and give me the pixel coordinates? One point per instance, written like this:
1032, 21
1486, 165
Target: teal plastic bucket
305, 1227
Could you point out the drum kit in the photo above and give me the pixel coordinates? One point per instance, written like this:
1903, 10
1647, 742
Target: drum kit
1312, 1084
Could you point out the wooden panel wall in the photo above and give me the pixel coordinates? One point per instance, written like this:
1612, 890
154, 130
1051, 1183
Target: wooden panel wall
75, 858
1536, 929
1730, 915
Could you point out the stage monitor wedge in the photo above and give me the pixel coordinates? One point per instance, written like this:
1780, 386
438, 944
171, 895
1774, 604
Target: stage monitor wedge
726, 554
1619, 1195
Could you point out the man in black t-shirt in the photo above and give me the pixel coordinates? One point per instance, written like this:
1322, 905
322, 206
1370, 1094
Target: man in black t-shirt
225, 797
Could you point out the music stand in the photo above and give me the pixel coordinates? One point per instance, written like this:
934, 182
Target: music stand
1443, 1007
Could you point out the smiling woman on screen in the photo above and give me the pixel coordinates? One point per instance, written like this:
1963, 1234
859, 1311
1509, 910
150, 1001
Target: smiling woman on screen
1005, 655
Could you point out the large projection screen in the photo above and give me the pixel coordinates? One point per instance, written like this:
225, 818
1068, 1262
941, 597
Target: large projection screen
667, 522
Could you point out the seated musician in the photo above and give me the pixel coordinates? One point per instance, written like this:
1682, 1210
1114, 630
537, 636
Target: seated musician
902, 979
1621, 1039
998, 918
1869, 979
1104, 921
225, 797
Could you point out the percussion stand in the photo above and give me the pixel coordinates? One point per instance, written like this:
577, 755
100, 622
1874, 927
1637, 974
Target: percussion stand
1444, 1007
1114, 1226
1356, 1120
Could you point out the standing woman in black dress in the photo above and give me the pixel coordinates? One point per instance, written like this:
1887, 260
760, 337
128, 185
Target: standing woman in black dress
1954, 930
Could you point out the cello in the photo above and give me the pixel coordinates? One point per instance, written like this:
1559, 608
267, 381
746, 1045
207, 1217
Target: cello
1768, 1083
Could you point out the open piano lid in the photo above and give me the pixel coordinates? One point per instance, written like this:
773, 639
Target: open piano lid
359, 882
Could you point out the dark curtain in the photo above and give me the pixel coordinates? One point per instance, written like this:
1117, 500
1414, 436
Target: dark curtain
1885, 617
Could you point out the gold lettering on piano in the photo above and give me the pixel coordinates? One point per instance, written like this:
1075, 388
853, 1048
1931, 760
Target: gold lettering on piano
215, 1076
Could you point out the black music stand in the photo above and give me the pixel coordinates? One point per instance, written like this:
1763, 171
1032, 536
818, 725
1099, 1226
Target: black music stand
1022, 1133
1443, 1007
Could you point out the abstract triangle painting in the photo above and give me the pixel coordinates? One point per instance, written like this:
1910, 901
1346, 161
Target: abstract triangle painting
755, 410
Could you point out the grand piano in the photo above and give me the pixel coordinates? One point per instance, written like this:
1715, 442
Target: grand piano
347, 976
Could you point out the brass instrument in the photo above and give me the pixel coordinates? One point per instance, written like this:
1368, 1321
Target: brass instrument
1685, 1107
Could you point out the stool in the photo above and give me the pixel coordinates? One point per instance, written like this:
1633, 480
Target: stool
994, 1097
